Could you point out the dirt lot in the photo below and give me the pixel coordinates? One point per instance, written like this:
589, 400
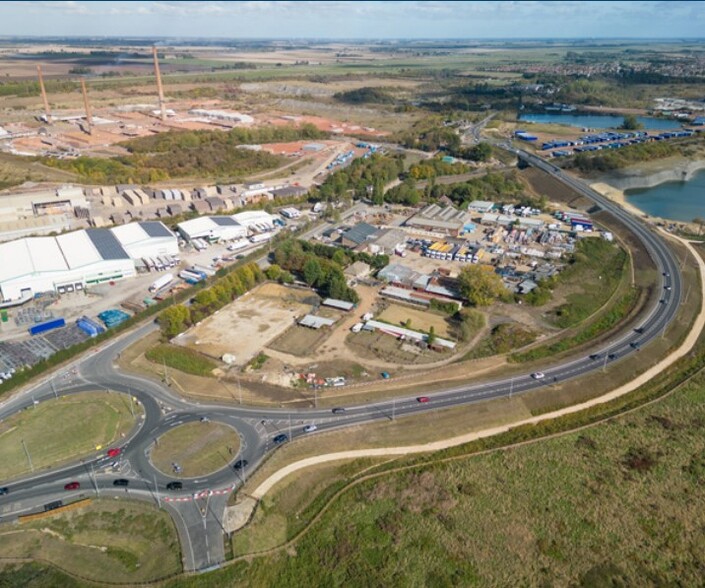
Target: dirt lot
244, 327
300, 341
421, 320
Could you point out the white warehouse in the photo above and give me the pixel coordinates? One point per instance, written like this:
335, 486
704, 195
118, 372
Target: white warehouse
146, 239
213, 228
75, 260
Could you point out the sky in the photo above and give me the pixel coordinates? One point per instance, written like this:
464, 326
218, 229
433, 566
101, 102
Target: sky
356, 20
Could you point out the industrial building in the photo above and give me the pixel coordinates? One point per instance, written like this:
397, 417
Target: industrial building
448, 220
146, 239
78, 259
213, 228
255, 220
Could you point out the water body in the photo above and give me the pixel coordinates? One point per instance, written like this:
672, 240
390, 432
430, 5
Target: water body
680, 201
599, 121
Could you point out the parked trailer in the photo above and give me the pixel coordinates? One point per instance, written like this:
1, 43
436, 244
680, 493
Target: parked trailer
190, 277
261, 238
202, 268
161, 282
47, 326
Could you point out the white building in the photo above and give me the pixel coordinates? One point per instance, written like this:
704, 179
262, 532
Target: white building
146, 239
255, 220
214, 228
65, 263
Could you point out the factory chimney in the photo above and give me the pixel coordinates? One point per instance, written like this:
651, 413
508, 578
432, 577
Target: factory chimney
160, 90
47, 110
89, 116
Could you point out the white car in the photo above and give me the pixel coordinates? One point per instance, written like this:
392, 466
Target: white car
538, 375
310, 428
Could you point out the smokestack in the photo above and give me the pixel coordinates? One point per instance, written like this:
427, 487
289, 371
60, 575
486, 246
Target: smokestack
89, 116
160, 90
47, 110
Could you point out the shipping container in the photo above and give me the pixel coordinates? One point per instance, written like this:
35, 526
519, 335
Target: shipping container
47, 326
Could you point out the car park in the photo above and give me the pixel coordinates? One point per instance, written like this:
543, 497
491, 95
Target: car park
281, 438
310, 428
121, 482
174, 486
423, 399
72, 486
240, 464
538, 375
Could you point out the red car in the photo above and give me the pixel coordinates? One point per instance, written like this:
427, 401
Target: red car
423, 399
72, 486
114, 452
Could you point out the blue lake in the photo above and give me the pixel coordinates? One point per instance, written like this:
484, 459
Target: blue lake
598, 121
681, 201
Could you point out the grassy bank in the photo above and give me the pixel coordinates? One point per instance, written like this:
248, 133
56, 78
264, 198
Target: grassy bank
180, 358
106, 541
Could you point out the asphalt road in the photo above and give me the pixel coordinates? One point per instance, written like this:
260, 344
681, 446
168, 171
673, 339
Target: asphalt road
198, 511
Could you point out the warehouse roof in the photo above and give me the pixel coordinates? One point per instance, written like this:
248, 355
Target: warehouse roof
224, 221
360, 233
107, 244
155, 229
78, 249
341, 304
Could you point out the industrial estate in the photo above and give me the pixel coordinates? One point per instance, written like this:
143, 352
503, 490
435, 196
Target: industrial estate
320, 310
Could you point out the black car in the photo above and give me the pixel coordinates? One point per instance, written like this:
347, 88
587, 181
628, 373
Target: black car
121, 482
338, 410
4, 490
240, 464
595, 356
174, 486
281, 438
634, 345
612, 356
639, 330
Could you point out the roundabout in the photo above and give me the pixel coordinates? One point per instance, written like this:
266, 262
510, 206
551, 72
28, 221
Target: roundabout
195, 449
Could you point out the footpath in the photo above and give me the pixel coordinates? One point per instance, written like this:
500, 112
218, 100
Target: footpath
241, 513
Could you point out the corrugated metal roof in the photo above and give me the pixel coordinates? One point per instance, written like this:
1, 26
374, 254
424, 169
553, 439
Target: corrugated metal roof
156, 229
107, 244
360, 233
341, 304
315, 322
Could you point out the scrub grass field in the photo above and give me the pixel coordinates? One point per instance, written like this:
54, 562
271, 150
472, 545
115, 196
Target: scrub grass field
198, 448
115, 540
57, 431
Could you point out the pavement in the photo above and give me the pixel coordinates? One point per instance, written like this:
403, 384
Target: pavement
198, 508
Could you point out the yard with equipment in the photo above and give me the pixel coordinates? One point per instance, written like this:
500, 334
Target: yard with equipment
195, 449
125, 541
64, 429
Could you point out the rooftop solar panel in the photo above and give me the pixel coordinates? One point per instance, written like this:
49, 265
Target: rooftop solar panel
155, 229
107, 244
